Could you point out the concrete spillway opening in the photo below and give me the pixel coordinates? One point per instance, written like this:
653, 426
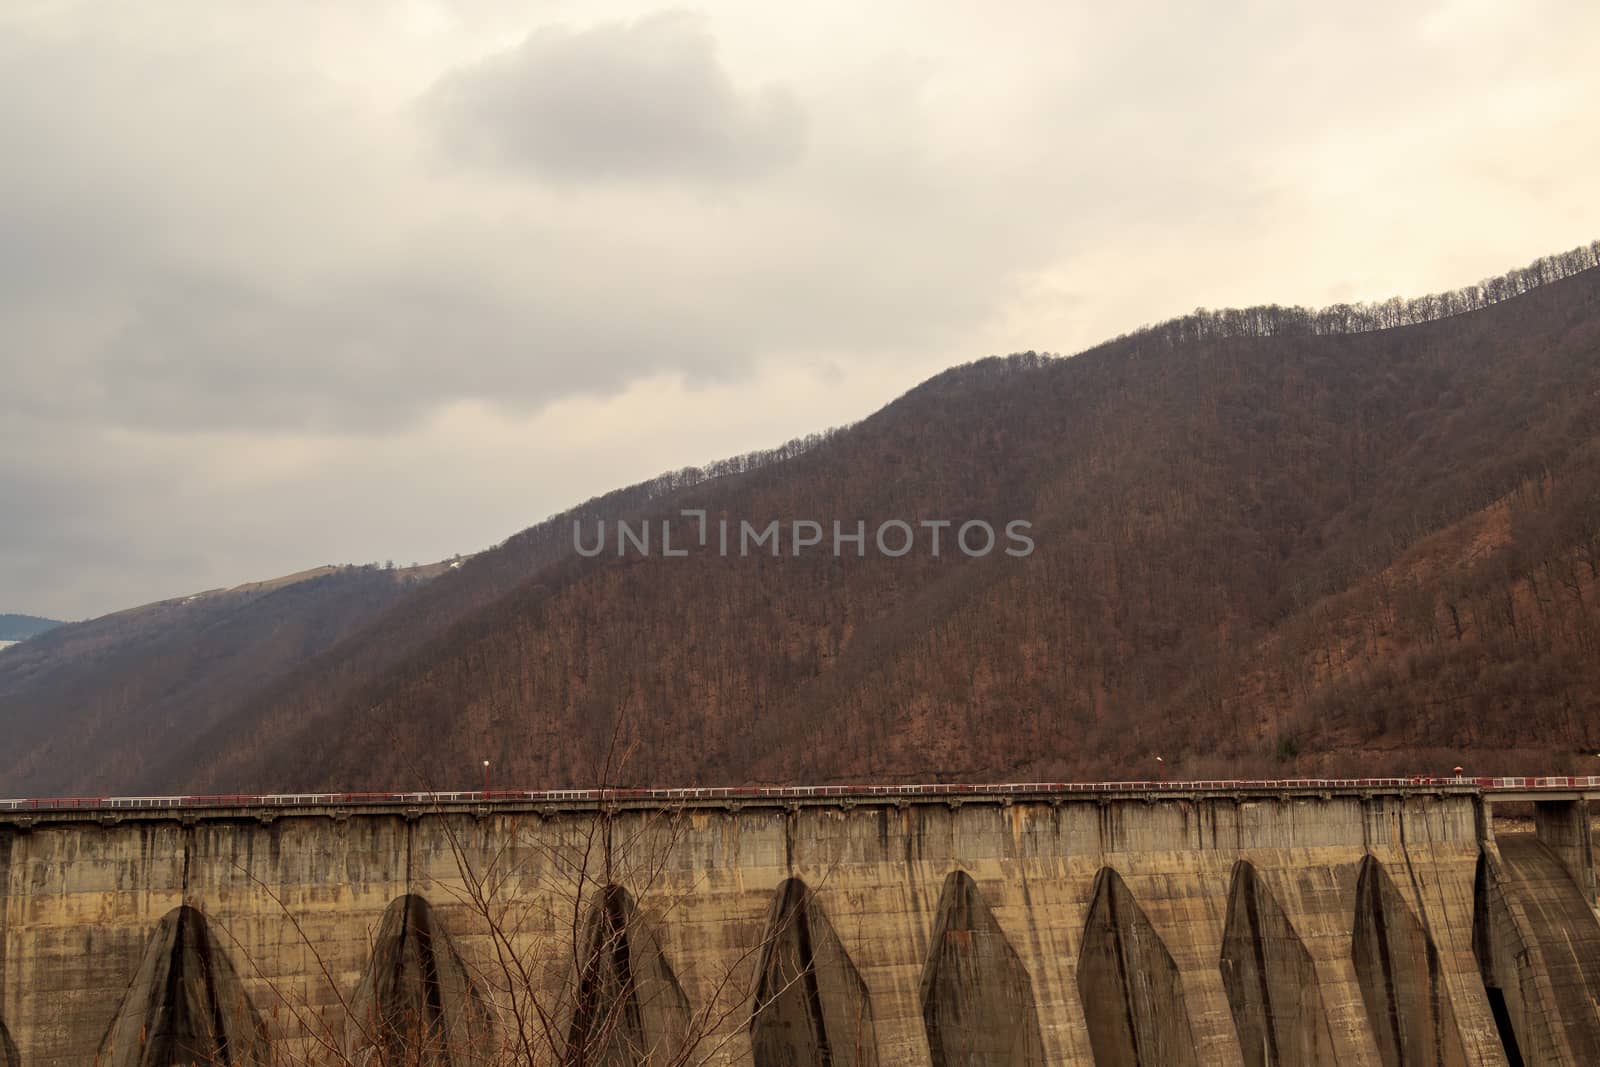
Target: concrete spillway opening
811, 1006
629, 1009
184, 1005
1271, 981
977, 999
1538, 948
1397, 967
416, 1003
1132, 993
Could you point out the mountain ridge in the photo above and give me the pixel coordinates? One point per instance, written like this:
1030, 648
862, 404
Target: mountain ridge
93, 702
791, 673
1244, 469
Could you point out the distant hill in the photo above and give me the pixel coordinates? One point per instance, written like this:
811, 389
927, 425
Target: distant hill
1270, 541
22, 627
86, 707
1278, 541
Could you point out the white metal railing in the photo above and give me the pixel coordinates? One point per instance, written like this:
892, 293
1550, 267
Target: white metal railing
797, 792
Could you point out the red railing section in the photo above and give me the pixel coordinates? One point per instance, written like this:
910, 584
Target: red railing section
787, 792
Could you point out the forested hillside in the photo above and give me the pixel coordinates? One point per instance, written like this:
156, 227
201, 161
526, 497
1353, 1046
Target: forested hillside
126, 702
88, 707
1274, 540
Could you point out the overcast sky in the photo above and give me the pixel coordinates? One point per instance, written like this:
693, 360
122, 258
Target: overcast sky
296, 283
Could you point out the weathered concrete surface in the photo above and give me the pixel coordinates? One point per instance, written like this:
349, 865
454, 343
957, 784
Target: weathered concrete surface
977, 999
185, 1004
1564, 828
1132, 993
811, 1007
417, 1003
1538, 944
299, 903
629, 1010
1401, 978
1271, 980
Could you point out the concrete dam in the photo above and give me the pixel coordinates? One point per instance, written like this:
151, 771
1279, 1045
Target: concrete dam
1381, 924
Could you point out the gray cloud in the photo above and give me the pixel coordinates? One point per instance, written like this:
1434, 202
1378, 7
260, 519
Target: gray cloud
380, 351
291, 284
646, 99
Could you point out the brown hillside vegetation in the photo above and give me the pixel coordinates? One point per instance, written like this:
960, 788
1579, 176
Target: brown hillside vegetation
101, 706
322, 687
1274, 540
86, 707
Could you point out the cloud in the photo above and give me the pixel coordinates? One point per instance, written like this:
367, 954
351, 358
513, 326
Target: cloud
299, 283
640, 100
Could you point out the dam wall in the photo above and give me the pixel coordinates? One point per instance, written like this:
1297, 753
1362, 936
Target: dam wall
1345, 927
